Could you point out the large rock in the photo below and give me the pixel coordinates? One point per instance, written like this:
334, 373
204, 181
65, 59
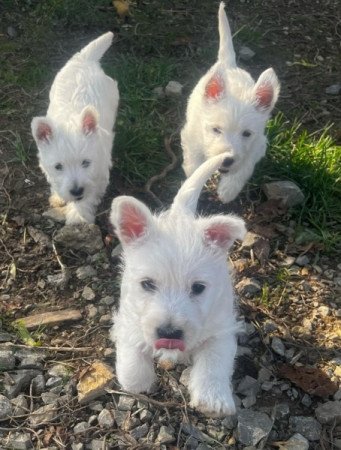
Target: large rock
94, 381
252, 426
106, 419
86, 237
7, 360
43, 415
296, 442
5, 407
20, 441
307, 426
286, 191
329, 412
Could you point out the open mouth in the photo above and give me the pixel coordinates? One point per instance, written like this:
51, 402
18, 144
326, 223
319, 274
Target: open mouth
170, 344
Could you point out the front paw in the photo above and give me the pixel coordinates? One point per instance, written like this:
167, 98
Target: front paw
213, 400
73, 216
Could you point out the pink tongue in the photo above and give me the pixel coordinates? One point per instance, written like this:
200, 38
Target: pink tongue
170, 344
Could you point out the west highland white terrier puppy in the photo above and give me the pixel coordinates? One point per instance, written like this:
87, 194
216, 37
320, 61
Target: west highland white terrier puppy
75, 138
227, 112
177, 300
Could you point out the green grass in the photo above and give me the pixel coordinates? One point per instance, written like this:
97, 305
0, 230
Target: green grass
143, 119
313, 162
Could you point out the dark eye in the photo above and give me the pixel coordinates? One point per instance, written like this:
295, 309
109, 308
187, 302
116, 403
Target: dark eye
246, 133
197, 288
216, 130
58, 166
86, 163
148, 285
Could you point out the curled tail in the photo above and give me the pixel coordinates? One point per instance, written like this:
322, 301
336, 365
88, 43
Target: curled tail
96, 49
186, 199
226, 52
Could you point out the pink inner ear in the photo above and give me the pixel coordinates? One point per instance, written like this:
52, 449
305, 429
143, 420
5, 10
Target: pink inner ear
133, 223
264, 95
89, 123
44, 132
214, 88
218, 234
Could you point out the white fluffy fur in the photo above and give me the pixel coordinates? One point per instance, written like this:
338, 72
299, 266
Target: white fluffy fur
176, 249
76, 135
215, 123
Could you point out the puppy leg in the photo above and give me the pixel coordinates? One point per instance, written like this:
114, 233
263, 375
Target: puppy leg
80, 212
210, 379
55, 200
192, 156
134, 369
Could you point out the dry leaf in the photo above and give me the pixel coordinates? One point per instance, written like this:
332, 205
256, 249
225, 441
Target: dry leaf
310, 380
122, 8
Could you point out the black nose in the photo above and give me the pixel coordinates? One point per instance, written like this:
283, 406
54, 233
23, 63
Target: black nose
228, 162
77, 191
169, 332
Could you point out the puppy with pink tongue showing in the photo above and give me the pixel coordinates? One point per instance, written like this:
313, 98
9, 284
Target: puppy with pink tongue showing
176, 294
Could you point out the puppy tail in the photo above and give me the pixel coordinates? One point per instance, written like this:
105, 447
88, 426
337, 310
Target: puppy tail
96, 49
226, 53
187, 197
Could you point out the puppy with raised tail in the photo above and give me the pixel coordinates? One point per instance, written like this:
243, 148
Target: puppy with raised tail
227, 112
75, 138
177, 300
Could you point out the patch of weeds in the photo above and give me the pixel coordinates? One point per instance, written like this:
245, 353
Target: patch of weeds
21, 153
247, 35
312, 161
265, 295
31, 339
143, 119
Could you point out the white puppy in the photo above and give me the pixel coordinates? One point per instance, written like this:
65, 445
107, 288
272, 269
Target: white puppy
75, 138
227, 112
176, 294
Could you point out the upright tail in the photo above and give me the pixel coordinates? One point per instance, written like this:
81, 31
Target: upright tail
226, 52
187, 197
96, 49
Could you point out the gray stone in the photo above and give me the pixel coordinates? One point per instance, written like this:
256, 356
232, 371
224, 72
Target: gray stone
333, 89
329, 412
6, 337
269, 326
21, 380
85, 272
337, 395
140, 431
323, 310
106, 318
95, 406
282, 410
306, 426
278, 346
249, 240
302, 260
249, 401
252, 426
5, 407
185, 376
245, 53
43, 415
59, 370
85, 237
288, 261
230, 422
264, 374
92, 420
78, 446
145, 415
121, 417
109, 300
7, 360
191, 430
91, 311
20, 405
20, 441
81, 427
248, 386
106, 419
88, 293
166, 435
38, 384
125, 403
158, 92
173, 88
98, 444
248, 287
286, 191
306, 400
53, 382
49, 398
296, 442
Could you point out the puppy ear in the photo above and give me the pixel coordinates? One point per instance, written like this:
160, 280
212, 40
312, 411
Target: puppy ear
222, 231
89, 120
215, 88
131, 218
42, 130
267, 90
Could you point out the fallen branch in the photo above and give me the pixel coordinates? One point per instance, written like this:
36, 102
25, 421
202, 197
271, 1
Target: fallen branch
52, 349
160, 176
144, 398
